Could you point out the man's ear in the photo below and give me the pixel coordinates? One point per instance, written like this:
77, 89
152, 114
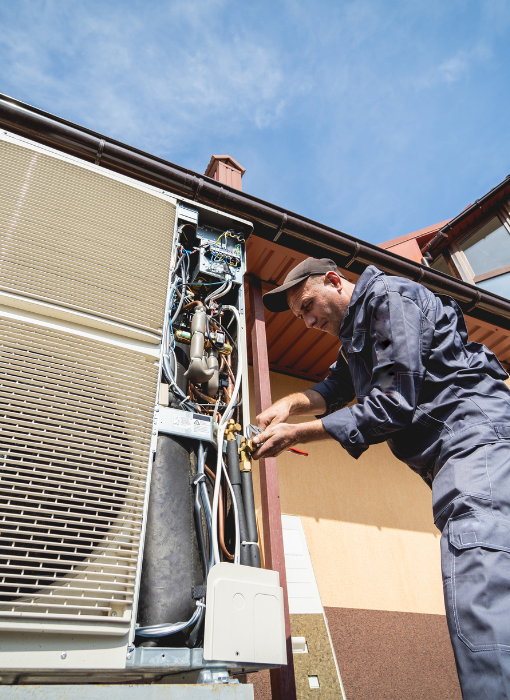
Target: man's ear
334, 279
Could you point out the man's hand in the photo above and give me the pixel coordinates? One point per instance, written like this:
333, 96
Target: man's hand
277, 413
279, 437
308, 402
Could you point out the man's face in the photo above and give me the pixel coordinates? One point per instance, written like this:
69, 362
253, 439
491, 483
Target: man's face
321, 302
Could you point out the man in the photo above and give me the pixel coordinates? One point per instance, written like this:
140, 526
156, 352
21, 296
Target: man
442, 405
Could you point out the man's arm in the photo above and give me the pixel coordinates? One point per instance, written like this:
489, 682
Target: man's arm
335, 391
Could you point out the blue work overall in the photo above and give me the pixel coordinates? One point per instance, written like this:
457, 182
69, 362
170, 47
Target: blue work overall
441, 404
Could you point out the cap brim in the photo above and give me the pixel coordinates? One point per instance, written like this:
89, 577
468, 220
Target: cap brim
276, 299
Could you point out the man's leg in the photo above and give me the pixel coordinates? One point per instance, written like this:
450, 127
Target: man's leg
475, 554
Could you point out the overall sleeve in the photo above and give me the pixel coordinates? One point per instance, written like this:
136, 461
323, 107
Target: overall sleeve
337, 389
394, 326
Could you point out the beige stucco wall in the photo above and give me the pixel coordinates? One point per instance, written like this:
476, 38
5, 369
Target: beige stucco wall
368, 523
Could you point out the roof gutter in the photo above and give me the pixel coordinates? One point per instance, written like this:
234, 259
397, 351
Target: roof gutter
270, 222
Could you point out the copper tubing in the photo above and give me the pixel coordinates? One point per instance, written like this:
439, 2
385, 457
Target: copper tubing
206, 398
231, 379
221, 519
192, 305
229, 368
193, 398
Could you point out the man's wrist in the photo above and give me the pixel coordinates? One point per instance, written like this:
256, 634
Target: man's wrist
310, 431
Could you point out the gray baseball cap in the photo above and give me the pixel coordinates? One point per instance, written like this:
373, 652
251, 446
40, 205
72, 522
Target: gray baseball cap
276, 299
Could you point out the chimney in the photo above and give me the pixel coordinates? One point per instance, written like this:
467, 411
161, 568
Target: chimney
226, 170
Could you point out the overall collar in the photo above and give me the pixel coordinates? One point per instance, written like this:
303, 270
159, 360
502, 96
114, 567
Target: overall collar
368, 276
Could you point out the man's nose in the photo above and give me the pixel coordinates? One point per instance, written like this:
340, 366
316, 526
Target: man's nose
309, 320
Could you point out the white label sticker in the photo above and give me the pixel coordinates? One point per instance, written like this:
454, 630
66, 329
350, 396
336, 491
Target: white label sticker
192, 422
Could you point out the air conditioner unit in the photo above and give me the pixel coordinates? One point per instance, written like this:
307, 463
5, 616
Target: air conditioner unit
90, 268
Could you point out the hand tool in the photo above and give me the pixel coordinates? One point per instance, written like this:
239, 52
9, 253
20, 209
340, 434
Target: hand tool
252, 430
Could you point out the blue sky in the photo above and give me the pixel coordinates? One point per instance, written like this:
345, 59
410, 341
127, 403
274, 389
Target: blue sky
377, 117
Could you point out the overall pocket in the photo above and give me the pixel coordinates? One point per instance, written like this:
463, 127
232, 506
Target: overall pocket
480, 579
359, 372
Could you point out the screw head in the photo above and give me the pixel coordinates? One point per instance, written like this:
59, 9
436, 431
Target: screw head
128, 656
114, 614
63, 655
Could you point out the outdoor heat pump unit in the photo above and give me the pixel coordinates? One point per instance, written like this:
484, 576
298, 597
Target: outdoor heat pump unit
128, 540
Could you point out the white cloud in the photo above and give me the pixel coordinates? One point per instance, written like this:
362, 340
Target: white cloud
457, 67
164, 70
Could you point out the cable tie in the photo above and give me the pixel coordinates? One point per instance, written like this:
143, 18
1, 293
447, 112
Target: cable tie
200, 604
244, 543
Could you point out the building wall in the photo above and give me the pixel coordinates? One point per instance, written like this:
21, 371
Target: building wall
375, 553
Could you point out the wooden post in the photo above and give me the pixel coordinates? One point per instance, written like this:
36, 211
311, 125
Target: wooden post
283, 682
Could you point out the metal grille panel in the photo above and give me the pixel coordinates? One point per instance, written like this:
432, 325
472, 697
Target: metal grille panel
75, 427
74, 237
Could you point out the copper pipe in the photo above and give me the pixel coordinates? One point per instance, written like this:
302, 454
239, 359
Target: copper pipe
192, 304
206, 398
229, 368
221, 519
193, 398
231, 379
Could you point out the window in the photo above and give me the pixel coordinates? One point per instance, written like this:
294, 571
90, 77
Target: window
482, 257
488, 249
441, 265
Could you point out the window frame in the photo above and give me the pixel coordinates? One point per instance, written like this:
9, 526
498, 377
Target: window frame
455, 257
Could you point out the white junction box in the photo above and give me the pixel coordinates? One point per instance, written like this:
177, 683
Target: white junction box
244, 619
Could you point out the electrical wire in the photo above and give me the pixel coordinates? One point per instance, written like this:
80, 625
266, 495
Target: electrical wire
185, 276
201, 468
221, 520
222, 328
168, 628
222, 425
217, 293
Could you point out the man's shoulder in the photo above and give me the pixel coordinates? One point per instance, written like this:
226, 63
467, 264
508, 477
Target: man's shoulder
384, 284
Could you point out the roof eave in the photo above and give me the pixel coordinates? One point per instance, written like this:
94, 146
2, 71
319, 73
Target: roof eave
270, 221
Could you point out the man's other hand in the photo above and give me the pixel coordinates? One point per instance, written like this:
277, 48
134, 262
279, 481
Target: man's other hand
277, 413
303, 403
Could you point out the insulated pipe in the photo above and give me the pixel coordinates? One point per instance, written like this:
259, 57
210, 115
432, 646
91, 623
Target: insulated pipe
198, 372
234, 474
214, 382
270, 222
170, 567
251, 518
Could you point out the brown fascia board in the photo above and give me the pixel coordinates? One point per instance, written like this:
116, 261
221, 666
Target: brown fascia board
271, 222
422, 236
469, 216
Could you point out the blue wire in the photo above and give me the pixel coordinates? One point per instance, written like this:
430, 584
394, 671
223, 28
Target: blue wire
202, 284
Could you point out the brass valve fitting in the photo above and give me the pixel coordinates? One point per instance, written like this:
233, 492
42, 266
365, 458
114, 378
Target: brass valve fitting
231, 429
245, 450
